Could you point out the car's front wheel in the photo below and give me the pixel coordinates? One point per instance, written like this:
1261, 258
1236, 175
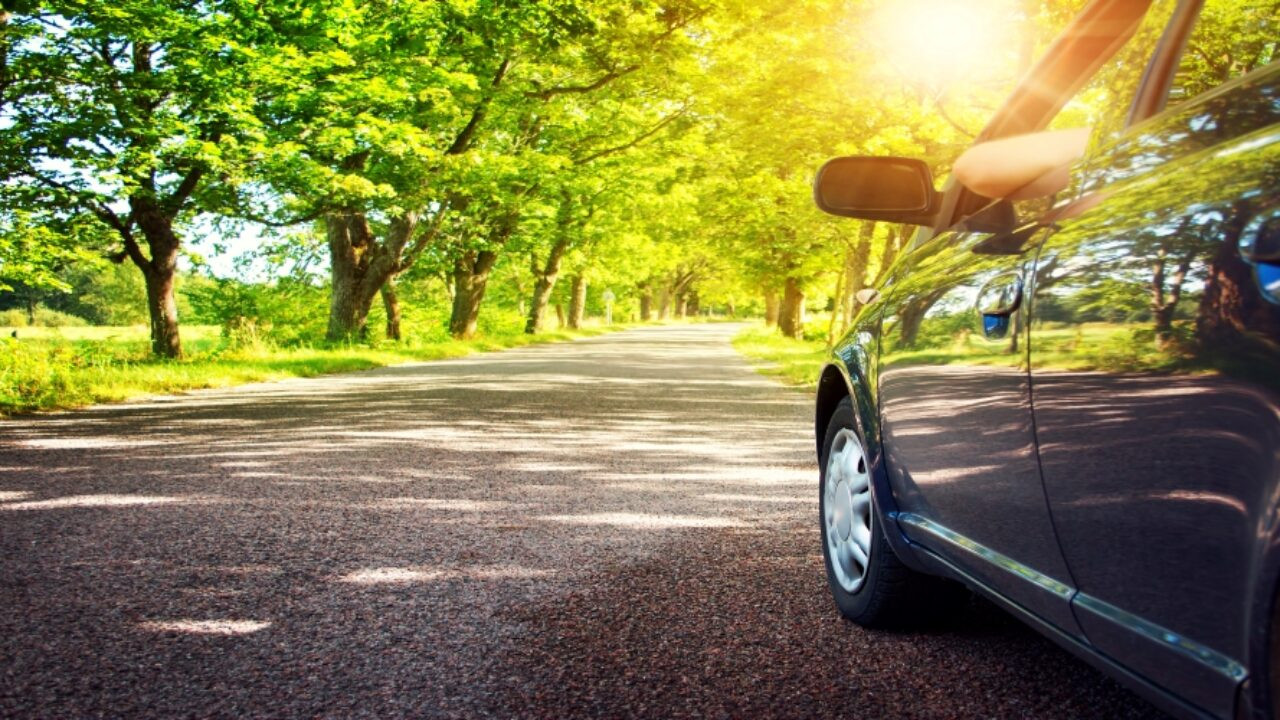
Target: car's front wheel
870, 584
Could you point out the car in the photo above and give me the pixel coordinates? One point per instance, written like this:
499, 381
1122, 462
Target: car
1065, 395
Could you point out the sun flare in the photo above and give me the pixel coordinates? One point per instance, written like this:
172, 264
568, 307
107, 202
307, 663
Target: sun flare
938, 43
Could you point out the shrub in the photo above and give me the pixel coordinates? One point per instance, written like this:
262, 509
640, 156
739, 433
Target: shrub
53, 318
13, 318
44, 318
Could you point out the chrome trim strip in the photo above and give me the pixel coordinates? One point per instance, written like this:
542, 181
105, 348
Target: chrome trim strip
1039, 579
1168, 639
1212, 659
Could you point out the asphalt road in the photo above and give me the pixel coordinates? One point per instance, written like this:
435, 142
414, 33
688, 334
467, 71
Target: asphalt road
621, 526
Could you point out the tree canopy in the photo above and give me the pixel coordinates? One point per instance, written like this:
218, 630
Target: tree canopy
441, 153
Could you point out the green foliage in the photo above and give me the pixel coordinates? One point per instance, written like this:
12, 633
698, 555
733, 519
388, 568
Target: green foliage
35, 248
43, 317
287, 313
942, 330
661, 149
104, 294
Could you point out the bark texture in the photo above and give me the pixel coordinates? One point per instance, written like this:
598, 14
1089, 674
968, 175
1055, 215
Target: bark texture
470, 279
391, 303
544, 283
160, 272
771, 307
790, 313
360, 264
578, 302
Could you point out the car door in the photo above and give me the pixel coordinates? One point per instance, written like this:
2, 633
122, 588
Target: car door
1155, 356
957, 424
955, 387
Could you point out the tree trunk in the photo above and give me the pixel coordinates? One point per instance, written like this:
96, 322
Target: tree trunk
837, 304
693, 306
392, 305
913, 315
578, 303
360, 265
896, 241
664, 303
163, 308
1228, 298
770, 308
646, 304
470, 278
543, 285
790, 315
160, 272
1164, 300
349, 239
1163, 317
560, 315
856, 270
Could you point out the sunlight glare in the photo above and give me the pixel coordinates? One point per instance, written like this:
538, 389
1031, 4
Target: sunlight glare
939, 42
85, 501
206, 627
644, 521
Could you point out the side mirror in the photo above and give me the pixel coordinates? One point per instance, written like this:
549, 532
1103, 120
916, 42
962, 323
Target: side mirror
893, 189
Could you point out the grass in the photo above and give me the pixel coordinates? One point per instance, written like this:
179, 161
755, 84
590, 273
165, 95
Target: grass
61, 368
794, 362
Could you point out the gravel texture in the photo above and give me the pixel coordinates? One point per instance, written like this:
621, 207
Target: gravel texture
620, 526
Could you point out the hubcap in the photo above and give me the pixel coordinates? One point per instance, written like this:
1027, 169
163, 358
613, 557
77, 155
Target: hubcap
846, 507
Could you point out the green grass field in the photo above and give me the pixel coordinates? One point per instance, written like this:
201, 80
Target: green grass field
59, 368
794, 362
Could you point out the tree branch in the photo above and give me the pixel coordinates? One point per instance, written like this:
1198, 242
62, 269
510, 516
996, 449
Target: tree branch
464, 139
424, 239
942, 110
548, 93
634, 141
311, 216
180, 194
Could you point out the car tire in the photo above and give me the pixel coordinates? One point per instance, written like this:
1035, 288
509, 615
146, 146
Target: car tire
869, 583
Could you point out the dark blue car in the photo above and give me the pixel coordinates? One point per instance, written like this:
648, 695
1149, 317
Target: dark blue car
1066, 394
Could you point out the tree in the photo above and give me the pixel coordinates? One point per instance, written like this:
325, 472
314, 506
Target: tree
131, 112
407, 125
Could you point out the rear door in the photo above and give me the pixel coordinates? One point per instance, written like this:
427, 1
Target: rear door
1156, 367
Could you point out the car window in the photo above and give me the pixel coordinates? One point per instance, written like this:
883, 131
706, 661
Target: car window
1104, 102
1230, 39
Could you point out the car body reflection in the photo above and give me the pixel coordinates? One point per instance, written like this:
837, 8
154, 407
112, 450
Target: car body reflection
1149, 324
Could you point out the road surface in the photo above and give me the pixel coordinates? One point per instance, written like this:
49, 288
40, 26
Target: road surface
620, 526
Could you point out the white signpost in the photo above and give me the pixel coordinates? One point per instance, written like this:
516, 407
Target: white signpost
609, 297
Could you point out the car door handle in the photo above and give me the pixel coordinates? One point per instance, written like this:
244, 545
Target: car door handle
998, 300
1260, 247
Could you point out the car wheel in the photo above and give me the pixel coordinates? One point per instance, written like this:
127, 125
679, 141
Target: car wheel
870, 584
